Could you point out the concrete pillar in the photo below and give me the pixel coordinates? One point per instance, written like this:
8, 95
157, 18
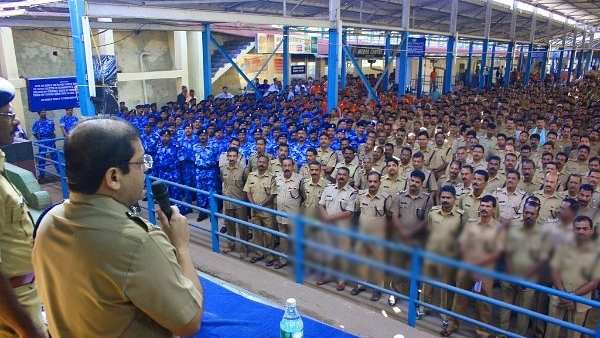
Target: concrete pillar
9, 71
194, 59
509, 59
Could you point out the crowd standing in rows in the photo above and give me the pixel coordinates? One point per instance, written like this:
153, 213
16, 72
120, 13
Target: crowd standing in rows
506, 177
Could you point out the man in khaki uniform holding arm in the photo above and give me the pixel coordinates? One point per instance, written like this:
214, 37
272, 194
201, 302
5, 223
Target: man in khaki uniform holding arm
234, 177
20, 307
572, 272
444, 222
261, 190
326, 156
549, 199
140, 281
336, 207
288, 201
481, 243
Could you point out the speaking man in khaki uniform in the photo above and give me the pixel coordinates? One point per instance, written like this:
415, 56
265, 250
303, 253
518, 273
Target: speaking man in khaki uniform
392, 182
350, 161
510, 198
139, 281
234, 178
549, 199
288, 201
470, 199
260, 189
20, 307
481, 243
374, 207
326, 156
444, 224
336, 207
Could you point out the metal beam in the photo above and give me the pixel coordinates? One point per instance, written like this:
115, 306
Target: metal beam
64, 24
190, 15
358, 70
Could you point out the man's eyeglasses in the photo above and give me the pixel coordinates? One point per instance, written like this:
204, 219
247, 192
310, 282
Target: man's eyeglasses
147, 161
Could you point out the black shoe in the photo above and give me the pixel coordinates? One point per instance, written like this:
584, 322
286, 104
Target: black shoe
201, 217
185, 212
145, 198
223, 229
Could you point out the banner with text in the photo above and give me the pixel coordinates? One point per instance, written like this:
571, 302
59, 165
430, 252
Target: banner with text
416, 47
266, 43
52, 93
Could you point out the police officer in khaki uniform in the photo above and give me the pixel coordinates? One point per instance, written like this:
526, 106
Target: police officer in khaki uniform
530, 182
497, 179
444, 224
549, 199
442, 156
580, 165
525, 257
261, 148
429, 184
452, 178
350, 162
392, 182
336, 207
288, 201
373, 206
326, 156
20, 308
572, 272
469, 200
481, 243
275, 166
311, 191
311, 156
234, 177
360, 177
260, 189
409, 217
510, 198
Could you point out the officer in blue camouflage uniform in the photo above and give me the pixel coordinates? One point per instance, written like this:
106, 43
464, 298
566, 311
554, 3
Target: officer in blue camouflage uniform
167, 162
205, 161
68, 121
298, 149
245, 146
43, 130
188, 168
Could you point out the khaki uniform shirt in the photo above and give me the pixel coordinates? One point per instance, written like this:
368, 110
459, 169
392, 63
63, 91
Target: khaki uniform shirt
374, 213
288, 198
305, 172
442, 155
548, 205
391, 186
510, 204
428, 155
524, 249
223, 159
444, 230
497, 182
530, 187
16, 229
233, 185
572, 166
327, 158
260, 186
275, 167
133, 285
470, 204
253, 161
446, 180
429, 184
311, 194
336, 200
379, 165
352, 166
479, 239
412, 210
575, 264
360, 179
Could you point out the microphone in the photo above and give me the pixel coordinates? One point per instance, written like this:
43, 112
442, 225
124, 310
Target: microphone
161, 196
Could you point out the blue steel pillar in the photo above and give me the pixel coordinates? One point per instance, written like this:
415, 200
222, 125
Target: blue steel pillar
420, 78
206, 67
559, 68
571, 65
509, 60
491, 73
286, 57
332, 71
361, 75
343, 83
580, 61
520, 62
402, 63
76, 13
483, 64
528, 65
469, 65
544, 63
386, 62
447, 87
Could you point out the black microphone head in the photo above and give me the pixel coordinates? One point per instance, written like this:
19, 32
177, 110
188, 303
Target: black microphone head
159, 188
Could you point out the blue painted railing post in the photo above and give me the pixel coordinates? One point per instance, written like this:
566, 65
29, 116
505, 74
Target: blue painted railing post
299, 249
214, 223
151, 214
420, 79
62, 173
598, 330
415, 272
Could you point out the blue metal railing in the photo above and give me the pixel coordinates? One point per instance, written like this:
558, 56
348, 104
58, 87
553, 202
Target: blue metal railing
43, 151
301, 244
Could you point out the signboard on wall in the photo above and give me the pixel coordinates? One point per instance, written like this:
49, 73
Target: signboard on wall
298, 69
52, 93
539, 53
266, 43
416, 47
367, 51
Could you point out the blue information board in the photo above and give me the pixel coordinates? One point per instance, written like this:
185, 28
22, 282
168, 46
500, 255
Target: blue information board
416, 47
539, 53
52, 93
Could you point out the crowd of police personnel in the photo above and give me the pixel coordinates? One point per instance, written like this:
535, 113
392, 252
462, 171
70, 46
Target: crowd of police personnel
508, 177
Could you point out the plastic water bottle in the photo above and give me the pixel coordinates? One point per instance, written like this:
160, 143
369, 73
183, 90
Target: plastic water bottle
291, 324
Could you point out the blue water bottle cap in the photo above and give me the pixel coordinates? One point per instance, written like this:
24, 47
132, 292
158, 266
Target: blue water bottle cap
291, 302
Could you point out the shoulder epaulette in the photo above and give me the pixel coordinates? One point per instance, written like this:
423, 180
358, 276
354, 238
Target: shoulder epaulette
473, 219
436, 207
362, 192
460, 211
426, 193
401, 192
499, 189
